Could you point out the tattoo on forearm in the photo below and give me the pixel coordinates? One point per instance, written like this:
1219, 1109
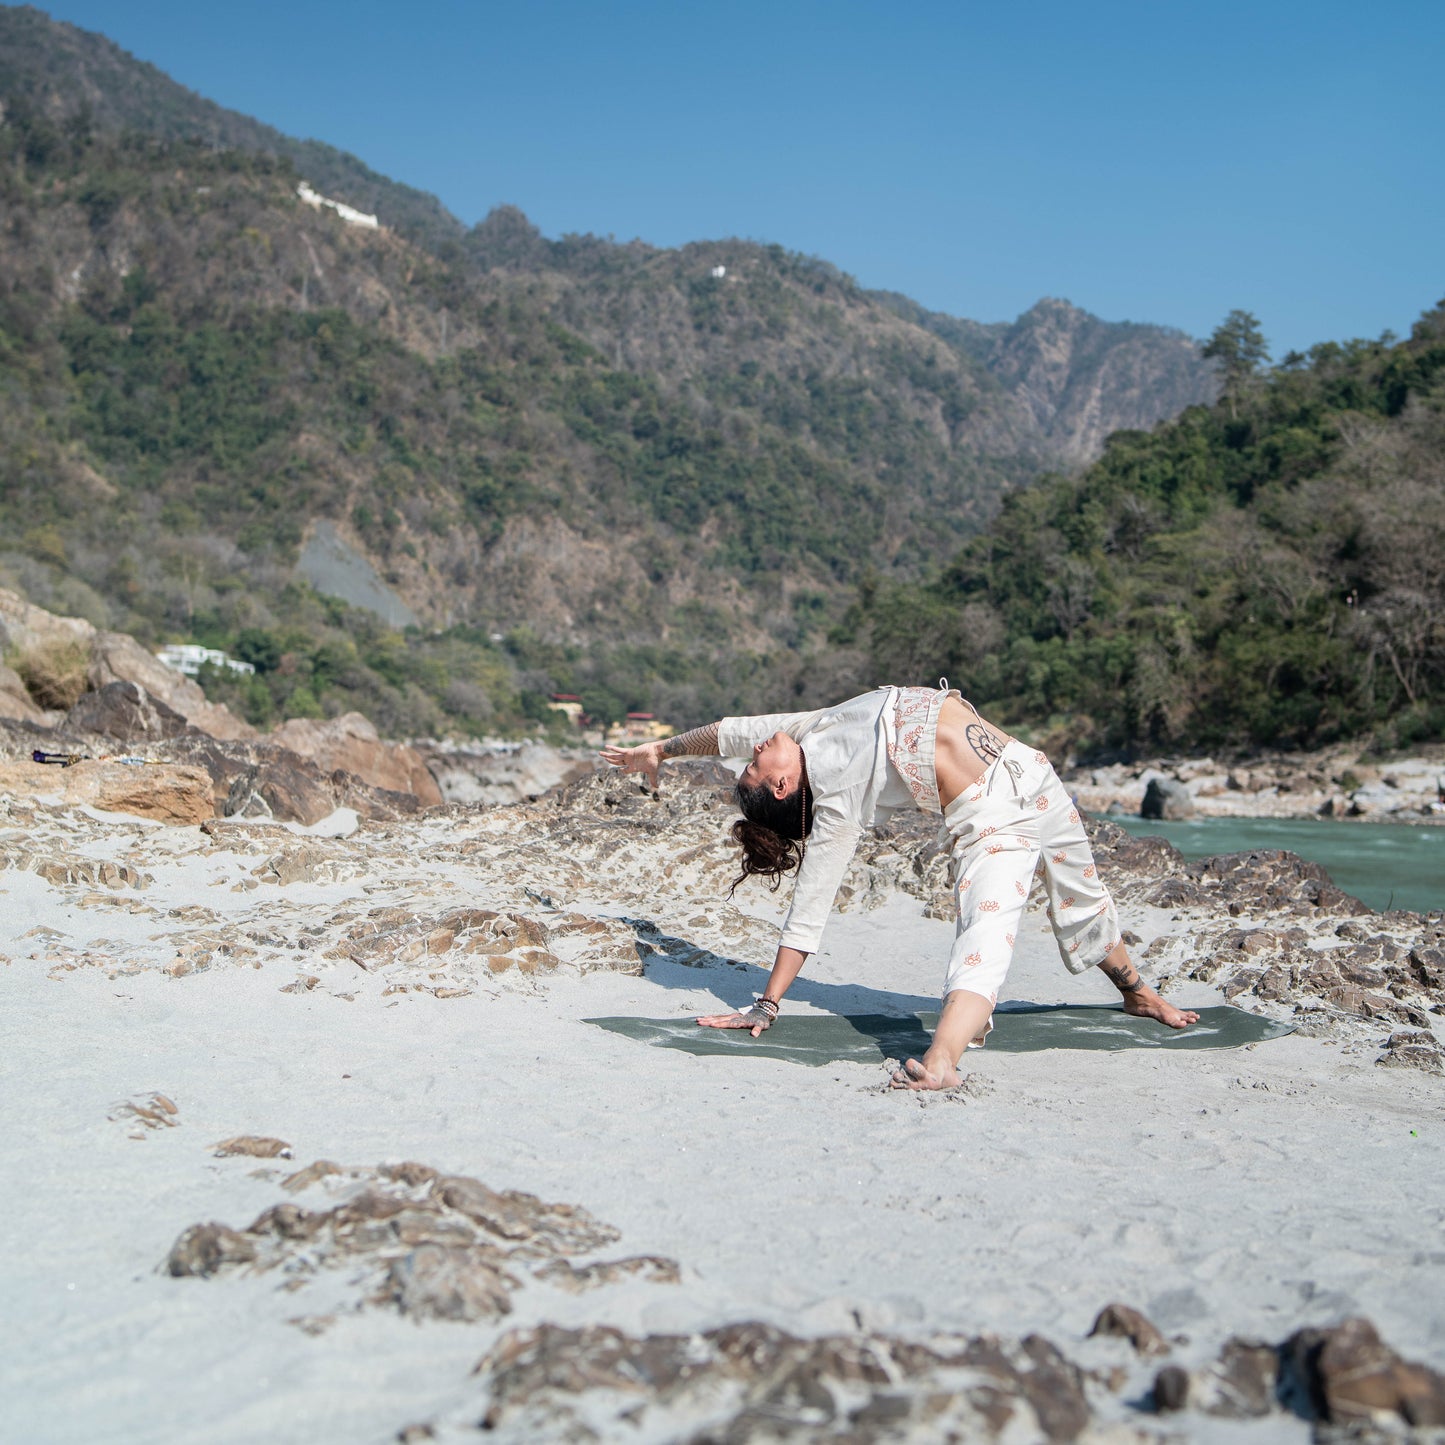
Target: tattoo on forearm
986, 744
1124, 977
696, 742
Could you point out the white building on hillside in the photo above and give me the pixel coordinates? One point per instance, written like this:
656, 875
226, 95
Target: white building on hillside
347, 214
187, 657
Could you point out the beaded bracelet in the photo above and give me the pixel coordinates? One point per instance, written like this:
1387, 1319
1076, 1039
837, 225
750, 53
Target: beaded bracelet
769, 1006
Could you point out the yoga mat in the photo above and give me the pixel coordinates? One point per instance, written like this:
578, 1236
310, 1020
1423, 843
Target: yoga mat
866, 1038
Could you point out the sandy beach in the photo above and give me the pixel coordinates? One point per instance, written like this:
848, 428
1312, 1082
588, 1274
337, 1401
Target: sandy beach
417, 990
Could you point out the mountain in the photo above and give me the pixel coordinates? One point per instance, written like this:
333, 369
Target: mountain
657, 474
1070, 379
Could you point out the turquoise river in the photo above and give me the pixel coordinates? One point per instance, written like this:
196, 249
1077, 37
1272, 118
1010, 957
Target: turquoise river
1383, 864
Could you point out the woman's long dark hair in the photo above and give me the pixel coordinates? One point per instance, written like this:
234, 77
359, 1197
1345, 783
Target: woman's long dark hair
771, 830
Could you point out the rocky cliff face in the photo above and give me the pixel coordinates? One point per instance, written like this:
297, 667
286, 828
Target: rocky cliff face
1068, 380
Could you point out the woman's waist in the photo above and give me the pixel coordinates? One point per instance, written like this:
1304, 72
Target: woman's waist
968, 745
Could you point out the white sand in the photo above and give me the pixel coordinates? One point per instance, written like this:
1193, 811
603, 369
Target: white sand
1246, 1192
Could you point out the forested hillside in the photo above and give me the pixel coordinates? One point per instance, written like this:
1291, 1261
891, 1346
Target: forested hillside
657, 478
1270, 570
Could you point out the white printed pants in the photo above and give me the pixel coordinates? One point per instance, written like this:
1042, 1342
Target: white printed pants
1002, 827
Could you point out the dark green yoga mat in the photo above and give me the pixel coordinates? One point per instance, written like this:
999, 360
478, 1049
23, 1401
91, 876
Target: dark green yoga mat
866, 1038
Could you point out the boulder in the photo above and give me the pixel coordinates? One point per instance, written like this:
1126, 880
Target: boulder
1166, 799
119, 658
1127, 1323
165, 792
1375, 799
1348, 1376
126, 712
253, 780
15, 699
350, 743
115, 657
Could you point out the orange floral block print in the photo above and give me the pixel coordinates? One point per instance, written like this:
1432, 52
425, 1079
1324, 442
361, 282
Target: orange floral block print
989, 905
1020, 889
1089, 871
994, 848
987, 832
973, 960
1063, 858
1008, 938
912, 715
964, 884
1073, 815
1042, 804
1066, 902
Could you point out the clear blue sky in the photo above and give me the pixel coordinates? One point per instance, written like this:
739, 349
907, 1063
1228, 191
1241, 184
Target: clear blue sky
1153, 161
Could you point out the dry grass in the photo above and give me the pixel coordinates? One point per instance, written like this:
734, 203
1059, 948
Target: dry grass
54, 671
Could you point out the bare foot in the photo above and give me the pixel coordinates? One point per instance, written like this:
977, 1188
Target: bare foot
1144, 1003
914, 1076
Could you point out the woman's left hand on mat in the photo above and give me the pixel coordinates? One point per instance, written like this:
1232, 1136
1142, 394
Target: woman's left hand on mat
755, 1020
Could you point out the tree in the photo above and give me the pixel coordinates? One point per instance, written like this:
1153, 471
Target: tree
1239, 347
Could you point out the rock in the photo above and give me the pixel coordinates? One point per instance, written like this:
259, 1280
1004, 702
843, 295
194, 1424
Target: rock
126, 712
575, 1279
114, 657
311, 1174
428, 1245
751, 1381
447, 1283
1266, 879
164, 792
205, 1249
1348, 1375
16, 702
1171, 1389
351, 744
258, 1146
1129, 1324
1413, 1051
148, 1111
275, 789
1241, 1385
1167, 800
1375, 799
256, 780
565, 1228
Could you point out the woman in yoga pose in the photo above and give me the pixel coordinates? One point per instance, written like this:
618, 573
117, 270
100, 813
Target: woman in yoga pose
815, 780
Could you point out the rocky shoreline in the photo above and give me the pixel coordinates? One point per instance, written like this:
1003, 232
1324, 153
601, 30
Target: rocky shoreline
1337, 782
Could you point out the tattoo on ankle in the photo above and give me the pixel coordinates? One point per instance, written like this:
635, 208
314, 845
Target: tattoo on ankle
1125, 979
986, 744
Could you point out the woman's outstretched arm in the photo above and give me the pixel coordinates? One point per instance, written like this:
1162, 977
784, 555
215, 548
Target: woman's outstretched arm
696, 742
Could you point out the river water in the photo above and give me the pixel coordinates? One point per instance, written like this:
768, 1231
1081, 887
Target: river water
1387, 865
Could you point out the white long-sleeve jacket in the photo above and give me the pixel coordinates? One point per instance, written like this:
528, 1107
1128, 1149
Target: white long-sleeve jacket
852, 780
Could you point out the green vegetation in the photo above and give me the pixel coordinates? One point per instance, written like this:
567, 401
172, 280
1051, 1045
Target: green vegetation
1270, 570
